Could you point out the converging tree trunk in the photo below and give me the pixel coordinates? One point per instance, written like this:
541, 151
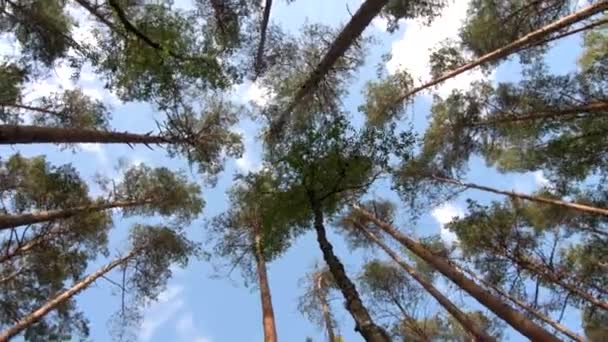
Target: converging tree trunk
353, 30
575, 206
270, 331
364, 323
528, 40
321, 295
259, 59
16, 134
555, 325
11, 221
29, 245
518, 321
53, 303
593, 108
450, 307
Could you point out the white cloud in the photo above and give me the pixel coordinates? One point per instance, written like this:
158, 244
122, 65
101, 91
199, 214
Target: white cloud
186, 330
412, 52
169, 303
539, 179
246, 164
258, 94
444, 214
97, 149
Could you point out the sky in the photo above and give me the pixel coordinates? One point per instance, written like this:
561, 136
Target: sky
203, 304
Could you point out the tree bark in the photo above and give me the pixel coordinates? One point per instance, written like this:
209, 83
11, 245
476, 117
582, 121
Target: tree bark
353, 30
37, 314
557, 326
268, 322
597, 107
575, 206
17, 134
526, 41
464, 320
364, 323
11, 221
259, 60
29, 245
518, 321
329, 325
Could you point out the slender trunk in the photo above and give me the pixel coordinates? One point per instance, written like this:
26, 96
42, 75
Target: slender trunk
526, 41
259, 60
11, 221
353, 30
364, 323
464, 320
557, 326
597, 107
10, 276
576, 206
518, 321
533, 266
409, 320
329, 325
53, 303
17, 134
270, 331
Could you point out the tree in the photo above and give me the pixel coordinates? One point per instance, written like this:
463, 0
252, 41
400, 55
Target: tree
253, 232
512, 317
314, 302
153, 250
384, 281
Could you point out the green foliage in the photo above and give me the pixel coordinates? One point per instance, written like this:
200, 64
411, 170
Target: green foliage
42, 27
396, 10
10, 91
33, 184
157, 248
382, 94
168, 193
318, 285
205, 139
71, 109
446, 57
595, 45
185, 66
492, 24
595, 324
349, 222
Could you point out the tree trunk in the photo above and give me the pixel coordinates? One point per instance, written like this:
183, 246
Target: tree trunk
464, 320
533, 266
518, 321
353, 30
597, 107
259, 60
37, 314
364, 323
329, 324
17, 134
557, 326
270, 332
575, 206
11, 221
526, 41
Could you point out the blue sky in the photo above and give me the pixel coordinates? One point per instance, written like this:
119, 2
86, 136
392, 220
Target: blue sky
202, 305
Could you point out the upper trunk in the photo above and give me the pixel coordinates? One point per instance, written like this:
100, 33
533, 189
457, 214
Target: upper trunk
329, 325
597, 107
364, 323
16, 134
353, 30
11, 221
259, 59
518, 321
529, 40
576, 206
270, 332
557, 326
53, 303
464, 320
